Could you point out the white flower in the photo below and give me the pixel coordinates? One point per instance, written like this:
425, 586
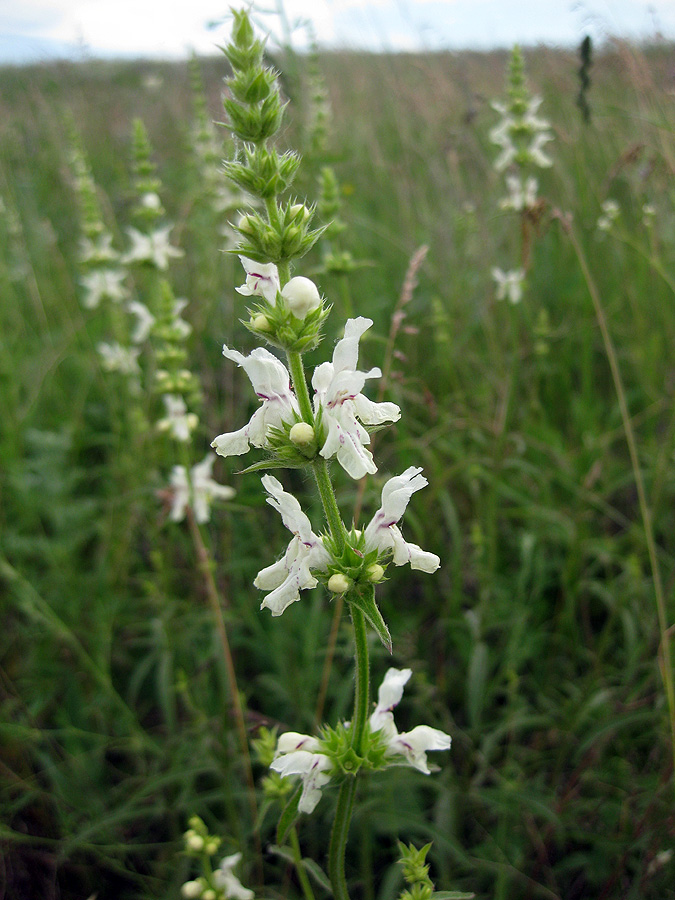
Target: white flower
412, 745
515, 130
509, 284
199, 492
536, 154
522, 195
272, 384
103, 284
262, 280
98, 250
152, 248
338, 397
302, 296
293, 572
178, 421
297, 754
228, 882
151, 200
383, 534
611, 211
116, 358
144, 321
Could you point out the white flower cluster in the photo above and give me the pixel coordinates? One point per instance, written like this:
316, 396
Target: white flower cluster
521, 135
306, 756
198, 491
262, 280
610, 213
509, 284
338, 399
226, 884
306, 553
153, 248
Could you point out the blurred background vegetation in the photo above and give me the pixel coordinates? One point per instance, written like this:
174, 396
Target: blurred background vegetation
536, 646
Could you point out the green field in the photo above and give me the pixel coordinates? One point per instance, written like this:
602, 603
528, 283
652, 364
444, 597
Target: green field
546, 430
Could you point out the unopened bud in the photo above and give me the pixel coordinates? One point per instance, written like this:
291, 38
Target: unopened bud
209, 894
212, 846
301, 295
339, 583
194, 842
375, 573
261, 323
300, 212
191, 890
245, 225
302, 434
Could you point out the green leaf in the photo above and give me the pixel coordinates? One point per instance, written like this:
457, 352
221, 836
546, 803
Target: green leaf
317, 874
289, 815
366, 603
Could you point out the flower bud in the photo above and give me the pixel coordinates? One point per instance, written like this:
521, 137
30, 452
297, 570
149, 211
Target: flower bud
300, 212
209, 894
261, 323
302, 434
302, 296
339, 583
245, 225
194, 842
375, 573
191, 890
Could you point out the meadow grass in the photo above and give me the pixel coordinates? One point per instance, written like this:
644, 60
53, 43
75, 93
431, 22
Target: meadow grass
537, 645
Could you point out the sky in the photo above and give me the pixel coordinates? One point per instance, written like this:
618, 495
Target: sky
35, 30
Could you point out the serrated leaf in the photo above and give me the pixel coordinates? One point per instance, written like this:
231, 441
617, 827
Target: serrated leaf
366, 603
289, 815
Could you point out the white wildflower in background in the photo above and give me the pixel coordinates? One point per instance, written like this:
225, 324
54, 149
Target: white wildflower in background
521, 134
153, 248
262, 280
338, 398
144, 321
116, 358
197, 492
413, 745
300, 754
103, 284
382, 532
610, 213
509, 284
227, 881
522, 193
648, 214
178, 421
151, 200
98, 250
293, 572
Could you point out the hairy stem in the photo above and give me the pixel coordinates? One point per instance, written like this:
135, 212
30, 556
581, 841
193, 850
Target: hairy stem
338, 838
362, 692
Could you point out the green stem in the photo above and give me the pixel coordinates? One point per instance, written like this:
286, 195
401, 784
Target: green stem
338, 838
297, 371
307, 891
362, 692
329, 502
